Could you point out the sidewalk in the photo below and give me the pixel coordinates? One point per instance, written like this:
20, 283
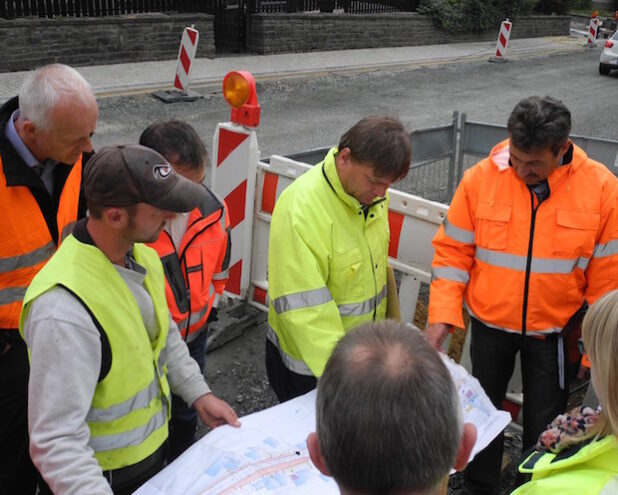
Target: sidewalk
117, 79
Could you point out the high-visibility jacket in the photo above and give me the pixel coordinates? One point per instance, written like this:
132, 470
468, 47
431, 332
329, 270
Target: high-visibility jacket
128, 419
29, 237
327, 267
589, 469
196, 273
523, 266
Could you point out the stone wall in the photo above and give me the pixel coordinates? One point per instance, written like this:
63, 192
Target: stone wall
285, 33
28, 43
31, 42
604, 4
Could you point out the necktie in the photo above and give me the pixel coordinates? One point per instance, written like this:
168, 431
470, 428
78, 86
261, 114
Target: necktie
45, 172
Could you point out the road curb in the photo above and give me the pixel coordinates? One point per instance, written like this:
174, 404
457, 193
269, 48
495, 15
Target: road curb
214, 83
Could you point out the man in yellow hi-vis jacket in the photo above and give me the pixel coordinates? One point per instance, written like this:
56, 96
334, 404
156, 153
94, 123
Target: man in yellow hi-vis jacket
328, 255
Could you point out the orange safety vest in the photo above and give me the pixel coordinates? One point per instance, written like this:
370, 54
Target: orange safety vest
521, 266
26, 243
196, 274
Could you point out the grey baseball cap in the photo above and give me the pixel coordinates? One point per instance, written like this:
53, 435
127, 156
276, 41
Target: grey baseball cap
125, 175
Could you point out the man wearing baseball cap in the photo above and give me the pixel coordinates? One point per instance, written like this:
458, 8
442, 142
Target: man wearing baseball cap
105, 354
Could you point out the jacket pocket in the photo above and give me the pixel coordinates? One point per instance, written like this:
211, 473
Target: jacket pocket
575, 232
492, 226
345, 280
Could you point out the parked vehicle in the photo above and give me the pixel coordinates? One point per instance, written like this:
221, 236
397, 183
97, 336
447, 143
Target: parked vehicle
609, 56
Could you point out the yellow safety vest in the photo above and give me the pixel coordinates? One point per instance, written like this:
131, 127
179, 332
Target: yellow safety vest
128, 418
577, 470
327, 265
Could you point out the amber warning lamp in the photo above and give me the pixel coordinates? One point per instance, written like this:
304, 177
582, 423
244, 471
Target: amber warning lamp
239, 91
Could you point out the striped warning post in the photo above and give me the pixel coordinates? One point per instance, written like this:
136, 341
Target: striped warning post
235, 158
593, 28
503, 39
186, 54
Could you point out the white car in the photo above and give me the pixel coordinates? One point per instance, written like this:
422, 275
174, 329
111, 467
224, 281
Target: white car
609, 56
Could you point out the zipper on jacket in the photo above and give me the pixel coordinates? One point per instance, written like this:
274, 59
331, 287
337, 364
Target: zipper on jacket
180, 258
373, 271
528, 262
197, 233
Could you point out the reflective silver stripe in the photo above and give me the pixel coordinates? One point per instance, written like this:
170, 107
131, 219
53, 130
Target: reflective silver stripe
560, 362
196, 317
12, 294
304, 299
138, 401
383, 293
364, 307
222, 219
461, 235
450, 273
582, 263
543, 331
537, 265
290, 363
26, 260
131, 437
67, 230
221, 275
604, 250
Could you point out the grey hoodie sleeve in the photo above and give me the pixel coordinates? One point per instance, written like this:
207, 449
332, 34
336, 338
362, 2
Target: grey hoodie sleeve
65, 363
183, 373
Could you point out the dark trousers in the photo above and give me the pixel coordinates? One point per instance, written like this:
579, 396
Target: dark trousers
17, 473
284, 382
184, 417
493, 357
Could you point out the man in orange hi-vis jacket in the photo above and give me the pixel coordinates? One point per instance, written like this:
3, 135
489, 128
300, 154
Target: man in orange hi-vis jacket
45, 136
195, 250
531, 238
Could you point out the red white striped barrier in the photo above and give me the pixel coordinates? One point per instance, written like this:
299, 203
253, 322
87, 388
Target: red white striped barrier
235, 160
272, 188
593, 28
186, 54
503, 39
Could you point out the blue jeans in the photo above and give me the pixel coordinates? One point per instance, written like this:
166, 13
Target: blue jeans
184, 417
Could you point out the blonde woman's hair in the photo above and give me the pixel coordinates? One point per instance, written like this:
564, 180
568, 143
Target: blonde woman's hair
600, 334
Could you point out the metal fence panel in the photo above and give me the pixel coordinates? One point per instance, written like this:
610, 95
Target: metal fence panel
479, 138
602, 150
431, 144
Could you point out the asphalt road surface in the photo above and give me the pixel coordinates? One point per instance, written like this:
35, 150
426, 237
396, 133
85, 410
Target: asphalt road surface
299, 114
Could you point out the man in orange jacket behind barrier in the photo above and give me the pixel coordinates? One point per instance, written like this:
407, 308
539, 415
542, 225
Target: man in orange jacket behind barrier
530, 239
195, 250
